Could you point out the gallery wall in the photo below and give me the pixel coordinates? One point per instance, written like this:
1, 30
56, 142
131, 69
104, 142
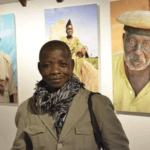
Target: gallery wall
30, 36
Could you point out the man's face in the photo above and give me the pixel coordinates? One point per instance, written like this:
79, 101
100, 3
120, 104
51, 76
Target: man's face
56, 67
69, 30
137, 51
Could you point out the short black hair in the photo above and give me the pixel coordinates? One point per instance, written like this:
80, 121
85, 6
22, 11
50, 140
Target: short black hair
53, 43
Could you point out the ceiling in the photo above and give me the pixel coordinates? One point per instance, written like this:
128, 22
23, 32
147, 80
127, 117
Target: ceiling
9, 1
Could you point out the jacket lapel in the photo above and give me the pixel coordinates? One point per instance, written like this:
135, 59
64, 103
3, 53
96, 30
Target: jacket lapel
77, 108
47, 120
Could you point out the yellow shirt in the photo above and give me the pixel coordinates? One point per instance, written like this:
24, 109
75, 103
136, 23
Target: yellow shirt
124, 95
75, 46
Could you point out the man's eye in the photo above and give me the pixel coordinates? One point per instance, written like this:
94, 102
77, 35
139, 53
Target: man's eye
46, 65
132, 41
63, 64
147, 44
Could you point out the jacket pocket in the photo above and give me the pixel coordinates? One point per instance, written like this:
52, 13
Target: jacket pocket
84, 129
37, 135
85, 137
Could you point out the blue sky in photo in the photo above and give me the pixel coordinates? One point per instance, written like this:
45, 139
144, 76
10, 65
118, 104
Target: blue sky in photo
83, 18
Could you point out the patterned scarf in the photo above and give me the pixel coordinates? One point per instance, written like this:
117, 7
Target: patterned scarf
57, 103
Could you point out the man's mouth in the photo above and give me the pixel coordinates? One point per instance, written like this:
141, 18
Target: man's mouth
55, 79
136, 62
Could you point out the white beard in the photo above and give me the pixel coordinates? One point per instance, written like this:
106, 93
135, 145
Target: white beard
132, 67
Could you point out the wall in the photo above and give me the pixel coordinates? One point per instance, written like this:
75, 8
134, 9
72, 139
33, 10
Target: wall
30, 36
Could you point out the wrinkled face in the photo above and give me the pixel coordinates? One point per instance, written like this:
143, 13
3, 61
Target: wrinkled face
69, 30
56, 67
137, 51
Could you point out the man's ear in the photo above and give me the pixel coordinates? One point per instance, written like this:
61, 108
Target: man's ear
72, 64
39, 68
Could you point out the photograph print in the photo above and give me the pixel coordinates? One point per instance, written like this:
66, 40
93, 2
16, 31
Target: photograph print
130, 30
8, 67
77, 27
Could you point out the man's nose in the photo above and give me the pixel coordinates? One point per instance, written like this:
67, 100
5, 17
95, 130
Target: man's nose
138, 50
55, 69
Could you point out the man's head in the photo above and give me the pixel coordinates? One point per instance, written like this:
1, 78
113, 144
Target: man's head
136, 39
69, 29
56, 65
136, 51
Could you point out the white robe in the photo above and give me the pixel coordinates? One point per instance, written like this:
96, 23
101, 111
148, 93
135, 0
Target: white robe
7, 74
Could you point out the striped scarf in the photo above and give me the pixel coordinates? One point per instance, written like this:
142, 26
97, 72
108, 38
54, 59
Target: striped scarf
57, 103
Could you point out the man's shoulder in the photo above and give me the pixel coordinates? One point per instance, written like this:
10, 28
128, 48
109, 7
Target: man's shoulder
76, 38
97, 97
117, 58
25, 104
118, 54
63, 38
6, 56
99, 102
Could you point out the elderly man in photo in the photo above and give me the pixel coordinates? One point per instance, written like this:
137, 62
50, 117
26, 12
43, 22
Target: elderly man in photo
57, 115
131, 68
8, 91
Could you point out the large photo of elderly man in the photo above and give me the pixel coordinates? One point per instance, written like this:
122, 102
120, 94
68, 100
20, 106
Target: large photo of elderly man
131, 65
8, 77
77, 27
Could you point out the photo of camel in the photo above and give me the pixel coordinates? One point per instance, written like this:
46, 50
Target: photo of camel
77, 27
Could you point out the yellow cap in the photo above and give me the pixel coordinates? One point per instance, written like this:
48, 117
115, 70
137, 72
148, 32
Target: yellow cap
136, 19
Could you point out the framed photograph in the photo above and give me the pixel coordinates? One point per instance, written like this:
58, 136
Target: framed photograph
8, 67
77, 27
128, 96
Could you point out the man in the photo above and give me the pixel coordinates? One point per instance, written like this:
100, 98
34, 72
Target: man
131, 69
8, 91
57, 115
78, 51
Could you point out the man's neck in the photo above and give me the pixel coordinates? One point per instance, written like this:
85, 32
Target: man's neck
69, 36
138, 79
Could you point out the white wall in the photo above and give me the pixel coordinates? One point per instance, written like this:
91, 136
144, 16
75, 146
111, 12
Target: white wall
30, 36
